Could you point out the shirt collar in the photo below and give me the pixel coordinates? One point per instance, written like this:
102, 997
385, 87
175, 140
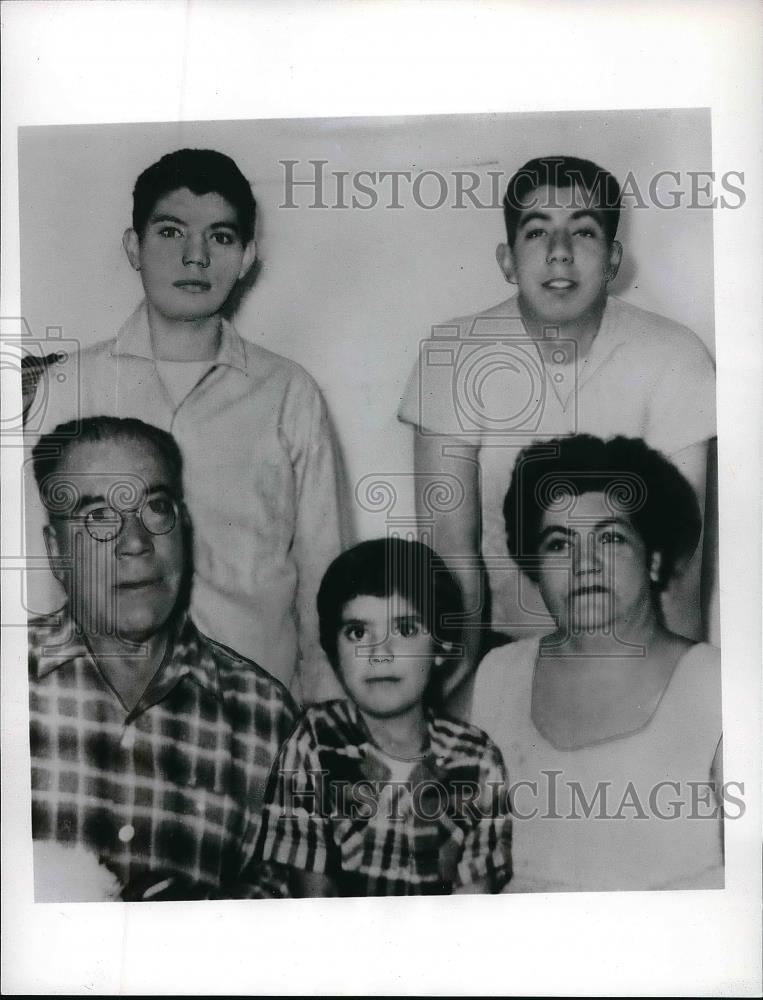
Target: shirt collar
134, 340
187, 655
435, 748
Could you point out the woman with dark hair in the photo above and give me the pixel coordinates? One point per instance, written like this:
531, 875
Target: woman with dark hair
610, 726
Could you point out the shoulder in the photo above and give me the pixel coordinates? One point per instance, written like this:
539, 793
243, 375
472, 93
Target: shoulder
649, 331
267, 363
455, 740
502, 664
240, 679
507, 309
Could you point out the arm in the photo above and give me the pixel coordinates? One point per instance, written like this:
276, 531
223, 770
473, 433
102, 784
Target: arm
485, 864
686, 602
455, 535
318, 532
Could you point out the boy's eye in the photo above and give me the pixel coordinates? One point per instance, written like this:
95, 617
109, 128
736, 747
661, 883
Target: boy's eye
406, 629
354, 632
225, 239
170, 232
533, 234
588, 233
557, 544
612, 537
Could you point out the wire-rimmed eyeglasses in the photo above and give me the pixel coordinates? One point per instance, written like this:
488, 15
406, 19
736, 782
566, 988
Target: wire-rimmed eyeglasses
158, 514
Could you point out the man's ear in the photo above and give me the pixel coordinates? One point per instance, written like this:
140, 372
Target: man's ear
250, 256
55, 550
505, 259
615, 259
131, 243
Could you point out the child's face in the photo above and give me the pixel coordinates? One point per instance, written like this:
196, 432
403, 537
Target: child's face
561, 259
385, 654
190, 255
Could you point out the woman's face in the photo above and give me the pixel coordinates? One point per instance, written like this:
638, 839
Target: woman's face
594, 569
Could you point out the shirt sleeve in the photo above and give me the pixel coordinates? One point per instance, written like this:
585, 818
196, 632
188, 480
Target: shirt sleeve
295, 824
487, 844
430, 402
318, 532
682, 403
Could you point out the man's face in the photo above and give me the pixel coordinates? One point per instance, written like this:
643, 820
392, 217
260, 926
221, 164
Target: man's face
594, 569
385, 654
561, 259
190, 255
126, 586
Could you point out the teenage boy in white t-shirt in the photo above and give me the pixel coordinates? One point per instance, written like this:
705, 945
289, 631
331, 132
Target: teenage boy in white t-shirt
560, 357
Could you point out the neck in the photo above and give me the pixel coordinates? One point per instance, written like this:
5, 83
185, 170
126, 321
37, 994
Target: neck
642, 628
128, 666
402, 735
183, 340
582, 330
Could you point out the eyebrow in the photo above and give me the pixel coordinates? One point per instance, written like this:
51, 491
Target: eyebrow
398, 618
180, 222
563, 530
87, 499
580, 213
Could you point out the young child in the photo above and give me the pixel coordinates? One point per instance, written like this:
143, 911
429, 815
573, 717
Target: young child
252, 426
378, 793
561, 357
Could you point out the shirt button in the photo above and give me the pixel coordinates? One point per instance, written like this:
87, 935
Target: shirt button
126, 833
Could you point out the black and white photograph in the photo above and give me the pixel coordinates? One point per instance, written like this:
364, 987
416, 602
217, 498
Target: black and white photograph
375, 534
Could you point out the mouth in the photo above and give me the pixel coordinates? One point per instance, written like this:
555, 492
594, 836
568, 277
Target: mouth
190, 285
137, 585
383, 680
587, 591
559, 284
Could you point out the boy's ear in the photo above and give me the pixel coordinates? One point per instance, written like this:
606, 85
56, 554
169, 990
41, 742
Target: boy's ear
654, 567
131, 243
615, 258
446, 648
54, 550
505, 259
250, 256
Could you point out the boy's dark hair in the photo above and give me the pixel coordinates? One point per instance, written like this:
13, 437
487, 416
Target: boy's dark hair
52, 448
202, 171
600, 190
383, 567
638, 482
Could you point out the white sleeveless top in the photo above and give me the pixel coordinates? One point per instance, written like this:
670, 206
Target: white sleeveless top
635, 812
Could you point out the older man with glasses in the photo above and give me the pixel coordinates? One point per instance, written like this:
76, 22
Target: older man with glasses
150, 743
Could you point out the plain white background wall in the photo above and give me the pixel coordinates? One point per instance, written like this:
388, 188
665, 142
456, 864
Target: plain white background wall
349, 293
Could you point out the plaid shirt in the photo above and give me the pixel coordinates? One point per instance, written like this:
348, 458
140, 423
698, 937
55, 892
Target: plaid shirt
331, 808
174, 787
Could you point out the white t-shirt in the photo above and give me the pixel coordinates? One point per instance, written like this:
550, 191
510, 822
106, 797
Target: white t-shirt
482, 379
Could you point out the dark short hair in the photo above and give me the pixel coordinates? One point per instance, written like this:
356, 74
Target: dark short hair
202, 171
383, 567
600, 189
51, 449
638, 481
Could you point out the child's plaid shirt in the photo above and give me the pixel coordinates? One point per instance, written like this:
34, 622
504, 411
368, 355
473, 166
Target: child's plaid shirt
331, 808
175, 786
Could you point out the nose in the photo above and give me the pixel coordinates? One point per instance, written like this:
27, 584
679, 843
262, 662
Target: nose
586, 556
196, 250
133, 539
559, 249
382, 653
